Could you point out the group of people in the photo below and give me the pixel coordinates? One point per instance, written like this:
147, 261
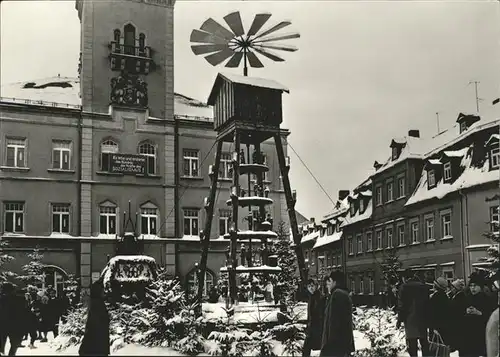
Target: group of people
29, 314
463, 318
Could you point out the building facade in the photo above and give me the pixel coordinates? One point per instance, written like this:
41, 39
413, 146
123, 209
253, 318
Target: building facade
429, 204
69, 179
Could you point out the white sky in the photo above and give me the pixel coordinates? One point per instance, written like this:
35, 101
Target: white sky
366, 71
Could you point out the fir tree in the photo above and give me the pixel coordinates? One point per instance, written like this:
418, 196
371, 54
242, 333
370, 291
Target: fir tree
34, 270
4, 259
493, 258
287, 279
391, 266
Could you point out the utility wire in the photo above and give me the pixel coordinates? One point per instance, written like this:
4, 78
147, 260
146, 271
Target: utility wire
310, 172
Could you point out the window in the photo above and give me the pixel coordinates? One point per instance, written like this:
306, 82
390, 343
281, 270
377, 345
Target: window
330, 229
16, 153
401, 235
55, 277
60, 218
429, 228
378, 192
495, 158
61, 155
149, 151
414, 232
353, 285
401, 187
390, 191
191, 163
494, 219
107, 218
225, 170
447, 171
361, 285
149, 219
108, 147
371, 285
129, 39
395, 153
448, 274
463, 127
351, 248
224, 217
192, 282
191, 222
431, 178
389, 233
369, 241
361, 205
446, 224
379, 239
353, 208
14, 217
359, 238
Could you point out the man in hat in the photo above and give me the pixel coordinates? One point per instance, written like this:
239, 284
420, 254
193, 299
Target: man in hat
440, 310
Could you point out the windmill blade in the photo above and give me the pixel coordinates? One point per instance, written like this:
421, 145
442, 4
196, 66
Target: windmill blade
205, 37
234, 22
275, 28
217, 29
277, 38
203, 49
235, 61
277, 47
258, 21
269, 55
218, 57
253, 60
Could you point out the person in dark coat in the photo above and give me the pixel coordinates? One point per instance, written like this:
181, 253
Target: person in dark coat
478, 308
413, 305
440, 314
34, 319
338, 337
457, 310
13, 318
315, 311
95, 340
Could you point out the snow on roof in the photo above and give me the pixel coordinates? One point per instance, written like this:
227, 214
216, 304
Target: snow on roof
471, 176
492, 139
348, 220
366, 193
434, 162
309, 237
456, 153
343, 206
65, 92
322, 241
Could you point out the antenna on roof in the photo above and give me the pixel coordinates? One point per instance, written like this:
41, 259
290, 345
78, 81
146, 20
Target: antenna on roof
477, 96
437, 118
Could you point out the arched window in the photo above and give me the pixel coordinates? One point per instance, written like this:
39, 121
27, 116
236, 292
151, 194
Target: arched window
107, 218
192, 282
142, 42
129, 39
54, 277
108, 147
149, 151
149, 219
116, 36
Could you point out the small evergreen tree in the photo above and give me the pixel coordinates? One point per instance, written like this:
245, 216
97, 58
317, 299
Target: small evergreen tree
4, 259
33, 271
391, 266
493, 258
286, 279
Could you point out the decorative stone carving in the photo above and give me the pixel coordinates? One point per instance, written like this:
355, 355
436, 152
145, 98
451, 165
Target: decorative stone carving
129, 90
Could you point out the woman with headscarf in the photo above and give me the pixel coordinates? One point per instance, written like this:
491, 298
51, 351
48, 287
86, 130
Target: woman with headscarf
95, 340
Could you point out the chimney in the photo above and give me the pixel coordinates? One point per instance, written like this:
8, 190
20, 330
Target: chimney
414, 133
343, 194
377, 165
312, 220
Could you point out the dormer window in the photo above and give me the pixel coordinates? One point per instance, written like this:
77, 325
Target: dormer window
361, 205
466, 120
494, 158
463, 127
395, 153
431, 178
353, 208
447, 171
397, 146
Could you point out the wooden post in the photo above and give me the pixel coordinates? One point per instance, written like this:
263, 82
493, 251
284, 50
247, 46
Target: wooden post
235, 206
205, 240
290, 202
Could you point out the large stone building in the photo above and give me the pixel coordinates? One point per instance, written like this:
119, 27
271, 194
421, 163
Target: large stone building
432, 201
80, 156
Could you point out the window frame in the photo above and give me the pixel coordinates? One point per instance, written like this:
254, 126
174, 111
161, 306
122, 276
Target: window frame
191, 219
361, 205
226, 166
103, 208
350, 246
443, 214
394, 153
369, 241
448, 269
59, 147
494, 155
390, 243
192, 282
494, 211
431, 173
16, 143
401, 229
427, 219
371, 285
146, 213
415, 223
447, 173
15, 212
186, 158
379, 236
359, 243
401, 188
224, 216
379, 195
144, 149
390, 197
108, 147
361, 284
56, 209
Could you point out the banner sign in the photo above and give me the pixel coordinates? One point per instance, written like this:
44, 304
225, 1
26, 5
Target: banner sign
128, 164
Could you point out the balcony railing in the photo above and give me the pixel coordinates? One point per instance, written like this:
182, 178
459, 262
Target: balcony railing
127, 50
135, 59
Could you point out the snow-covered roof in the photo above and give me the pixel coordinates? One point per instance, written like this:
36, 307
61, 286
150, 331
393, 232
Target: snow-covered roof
64, 92
455, 153
343, 206
322, 241
309, 237
348, 220
493, 138
471, 175
366, 193
434, 162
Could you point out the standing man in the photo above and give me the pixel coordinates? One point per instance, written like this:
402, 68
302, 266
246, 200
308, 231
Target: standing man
315, 311
13, 316
413, 304
338, 338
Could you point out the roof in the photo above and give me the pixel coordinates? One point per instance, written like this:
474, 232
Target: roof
245, 80
343, 206
327, 239
65, 92
348, 220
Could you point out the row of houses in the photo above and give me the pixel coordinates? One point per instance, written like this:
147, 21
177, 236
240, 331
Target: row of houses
429, 204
